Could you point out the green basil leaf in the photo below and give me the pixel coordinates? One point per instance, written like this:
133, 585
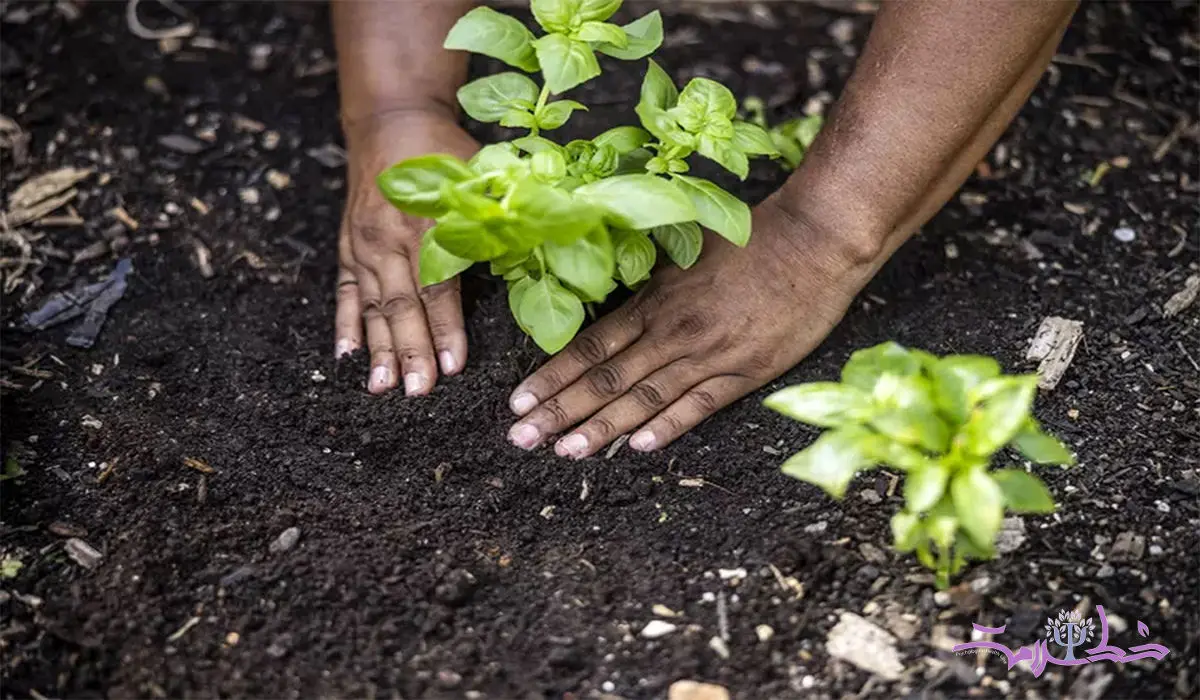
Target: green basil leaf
636, 255
633, 162
724, 154
598, 10
1023, 492
547, 213
548, 166
979, 505
537, 144
955, 377
995, 422
489, 99
924, 487
493, 157
682, 242
824, 404
643, 37
1040, 448
639, 201
565, 62
467, 239
833, 460
414, 186
517, 118
708, 98
552, 314
555, 15
791, 151
865, 367
555, 114
803, 130
624, 139
660, 123
516, 293
436, 264
506, 264
913, 426
753, 140
463, 199
602, 33
899, 455
585, 264
491, 33
906, 531
717, 209
658, 90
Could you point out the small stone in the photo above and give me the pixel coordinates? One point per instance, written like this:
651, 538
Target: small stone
982, 585
695, 690
663, 611
83, 553
951, 251
456, 588
807, 682
448, 679
1128, 546
1156, 550
260, 55
1105, 571
816, 528
181, 144
1162, 506
872, 553
870, 496
727, 574
286, 540
719, 647
91, 422
764, 632
842, 30
657, 628
1011, 535
270, 140
249, 195
865, 645
1124, 234
1116, 622
278, 180
280, 647
317, 376
942, 598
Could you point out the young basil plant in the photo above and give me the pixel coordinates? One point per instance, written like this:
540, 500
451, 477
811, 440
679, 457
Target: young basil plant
791, 138
563, 224
940, 421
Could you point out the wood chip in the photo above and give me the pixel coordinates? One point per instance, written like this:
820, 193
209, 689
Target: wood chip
181, 144
83, 553
1183, 298
199, 206
198, 465
192, 622
203, 258
1054, 346
695, 690
123, 216
865, 645
44, 186
242, 123
16, 217
1164, 146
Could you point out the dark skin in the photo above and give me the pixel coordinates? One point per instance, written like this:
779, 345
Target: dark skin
938, 82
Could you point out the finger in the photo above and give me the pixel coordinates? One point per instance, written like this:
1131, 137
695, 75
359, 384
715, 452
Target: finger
595, 345
595, 388
700, 402
348, 319
642, 402
405, 315
379, 336
444, 312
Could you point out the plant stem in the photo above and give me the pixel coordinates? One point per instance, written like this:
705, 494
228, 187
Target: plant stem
541, 102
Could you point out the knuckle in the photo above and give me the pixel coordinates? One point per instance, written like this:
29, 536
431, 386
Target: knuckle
589, 349
554, 409
379, 350
648, 394
399, 305
672, 424
703, 400
347, 293
606, 379
688, 327
367, 230
602, 428
436, 293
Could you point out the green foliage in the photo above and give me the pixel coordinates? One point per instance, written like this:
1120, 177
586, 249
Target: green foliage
563, 224
790, 140
940, 421
10, 567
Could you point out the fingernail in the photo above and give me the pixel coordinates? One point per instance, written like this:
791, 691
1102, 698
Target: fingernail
642, 441
573, 445
446, 359
524, 436
343, 347
523, 403
380, 377
414, 383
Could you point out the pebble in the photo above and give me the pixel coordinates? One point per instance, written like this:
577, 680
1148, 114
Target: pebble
816, 528
865, 645
1128, 546
695, 690
719, 647
1105, 571
249, 195
181, 144
727, 574
1011, 535
270, 140
807, 682
942, 598
764, 632
842, 30
870, 496
1156, 550
278, 180
1124, 234
329, 155
871, 552
657, 628
83, 553
280, 647
286, 540
1162, 506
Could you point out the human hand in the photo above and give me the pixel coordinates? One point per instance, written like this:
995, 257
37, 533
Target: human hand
692, 341
378, 254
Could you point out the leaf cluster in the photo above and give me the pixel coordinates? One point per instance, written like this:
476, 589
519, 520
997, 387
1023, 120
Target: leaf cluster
940, 421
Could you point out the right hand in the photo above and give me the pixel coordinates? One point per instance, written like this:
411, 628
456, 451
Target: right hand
406, 326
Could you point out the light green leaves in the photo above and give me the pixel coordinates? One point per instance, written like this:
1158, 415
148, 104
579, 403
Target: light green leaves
825, 404
491, 33
724, 153
954, 378
556, 15
865, 367
623, 139
635, 254
414, 186
717, 209
1040, 448
490, 99
639, 201
555, 114
752, 139
550, 313
585, 264
924, 487
548, 166
598, 10
546, 213
495, 157
906, 531
705, 102
832, 461
658, 90
642, 38
1023, 492
682, 242
996, 421
467, 239
565, 62
436, 264
602, 32
979, 504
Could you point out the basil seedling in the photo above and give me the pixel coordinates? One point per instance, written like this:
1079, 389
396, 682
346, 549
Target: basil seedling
791, 138
564, 223
940, 421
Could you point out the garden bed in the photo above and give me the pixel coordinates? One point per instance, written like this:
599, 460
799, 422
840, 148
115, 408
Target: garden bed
435, 559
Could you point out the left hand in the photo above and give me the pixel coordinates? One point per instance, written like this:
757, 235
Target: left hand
693, 341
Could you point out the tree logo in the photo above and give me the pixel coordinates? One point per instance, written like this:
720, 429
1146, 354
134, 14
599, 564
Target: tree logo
1069, 630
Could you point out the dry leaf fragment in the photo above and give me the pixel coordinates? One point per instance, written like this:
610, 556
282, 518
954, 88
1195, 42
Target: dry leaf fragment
44, 186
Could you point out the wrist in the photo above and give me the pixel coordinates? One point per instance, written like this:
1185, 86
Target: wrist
362, 124
828, 229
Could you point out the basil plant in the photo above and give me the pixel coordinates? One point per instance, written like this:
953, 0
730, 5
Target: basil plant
939, 421
563, 224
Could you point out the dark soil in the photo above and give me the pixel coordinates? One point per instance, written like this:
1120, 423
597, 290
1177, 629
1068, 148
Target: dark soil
434, 559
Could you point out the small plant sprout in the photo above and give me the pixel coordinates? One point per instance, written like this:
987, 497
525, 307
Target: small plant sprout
564, 224
791, 138
940, 421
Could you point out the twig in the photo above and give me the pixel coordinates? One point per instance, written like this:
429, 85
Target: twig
1188, 355
1165, 145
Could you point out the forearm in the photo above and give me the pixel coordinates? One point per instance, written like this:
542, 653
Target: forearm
390, 56
938, 82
